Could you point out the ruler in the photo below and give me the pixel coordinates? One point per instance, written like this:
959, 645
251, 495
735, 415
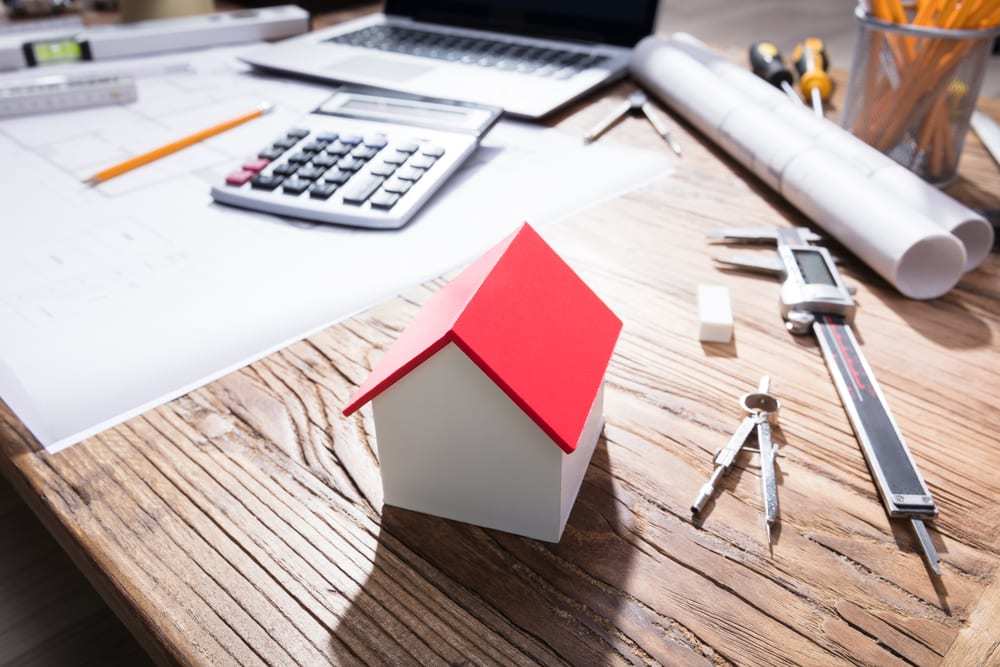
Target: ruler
127, 40
47, 94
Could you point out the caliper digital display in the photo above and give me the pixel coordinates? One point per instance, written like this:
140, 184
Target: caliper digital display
812, 266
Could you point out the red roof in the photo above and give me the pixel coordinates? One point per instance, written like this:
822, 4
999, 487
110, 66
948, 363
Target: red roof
528, 321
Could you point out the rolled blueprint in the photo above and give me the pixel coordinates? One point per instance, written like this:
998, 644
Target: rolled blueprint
971, 228
892, 235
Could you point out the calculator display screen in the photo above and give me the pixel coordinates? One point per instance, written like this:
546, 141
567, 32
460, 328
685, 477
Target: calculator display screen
57, 51
812, 266
358, 105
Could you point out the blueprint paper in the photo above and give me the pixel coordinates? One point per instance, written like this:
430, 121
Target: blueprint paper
118, 298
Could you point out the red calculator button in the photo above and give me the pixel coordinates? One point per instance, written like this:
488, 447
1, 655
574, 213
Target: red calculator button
239, 177
256, 165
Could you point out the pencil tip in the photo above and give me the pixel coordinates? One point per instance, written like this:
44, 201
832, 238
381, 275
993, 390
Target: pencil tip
266, 107
91, 182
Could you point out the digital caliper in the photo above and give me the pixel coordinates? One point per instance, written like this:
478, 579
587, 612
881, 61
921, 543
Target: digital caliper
815, 299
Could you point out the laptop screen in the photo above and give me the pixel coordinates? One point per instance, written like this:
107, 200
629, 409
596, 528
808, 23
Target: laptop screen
619, 22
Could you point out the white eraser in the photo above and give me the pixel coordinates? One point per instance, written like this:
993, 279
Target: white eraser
715, 314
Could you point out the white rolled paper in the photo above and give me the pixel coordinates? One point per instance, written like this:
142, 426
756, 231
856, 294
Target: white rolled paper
880, 215
972, 229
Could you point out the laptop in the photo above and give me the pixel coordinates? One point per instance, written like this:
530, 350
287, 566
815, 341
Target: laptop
528, 57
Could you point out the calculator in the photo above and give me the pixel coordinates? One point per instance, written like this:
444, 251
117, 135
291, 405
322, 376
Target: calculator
361, 159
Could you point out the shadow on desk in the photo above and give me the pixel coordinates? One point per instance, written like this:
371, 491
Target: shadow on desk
500, 597
49, 614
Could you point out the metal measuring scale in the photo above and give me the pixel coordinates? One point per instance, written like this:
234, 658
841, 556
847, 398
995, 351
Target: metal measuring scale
815, 299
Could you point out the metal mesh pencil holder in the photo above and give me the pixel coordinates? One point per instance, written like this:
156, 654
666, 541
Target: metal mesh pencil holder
912, 92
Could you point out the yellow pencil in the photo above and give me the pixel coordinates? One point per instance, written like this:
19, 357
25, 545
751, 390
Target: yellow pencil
174, 146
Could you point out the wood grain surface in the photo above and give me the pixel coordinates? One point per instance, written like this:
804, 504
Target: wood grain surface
243, 523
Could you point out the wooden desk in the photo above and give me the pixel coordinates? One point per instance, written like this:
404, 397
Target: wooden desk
244, 521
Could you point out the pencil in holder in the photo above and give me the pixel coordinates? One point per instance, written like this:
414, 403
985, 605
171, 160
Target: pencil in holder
913, 89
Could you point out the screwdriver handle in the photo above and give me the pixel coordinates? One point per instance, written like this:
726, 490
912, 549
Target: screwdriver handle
767, 63
811, 63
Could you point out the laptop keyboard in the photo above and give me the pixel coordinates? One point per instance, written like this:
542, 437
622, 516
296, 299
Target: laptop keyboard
509, 56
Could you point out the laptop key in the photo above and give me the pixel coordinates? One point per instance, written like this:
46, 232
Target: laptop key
360, 189
384, 200
322, 190
266, 182
295, 186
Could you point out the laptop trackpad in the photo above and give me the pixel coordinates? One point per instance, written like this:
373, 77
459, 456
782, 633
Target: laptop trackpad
375, 67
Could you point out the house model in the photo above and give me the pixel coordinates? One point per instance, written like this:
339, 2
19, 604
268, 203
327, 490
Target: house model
488, 407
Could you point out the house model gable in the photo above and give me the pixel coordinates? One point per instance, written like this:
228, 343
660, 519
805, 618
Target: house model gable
528, 321
489, 406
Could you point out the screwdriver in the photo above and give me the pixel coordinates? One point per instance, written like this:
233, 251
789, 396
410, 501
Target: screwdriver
812, 64
767, 63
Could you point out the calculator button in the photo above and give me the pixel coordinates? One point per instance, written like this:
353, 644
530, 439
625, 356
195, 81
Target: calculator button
375, 140
364, 152
256, 165
383, 199
337, 177
338, 148
298, 132
360, 189
315, 146
285, 142
395, 157
421, 161
383, 169
301, 157
309, 172
322, 190
272, 153
295, 186
325, 161
285, 169
239, 177
350, 139
433, 151
410, 173
408, 147
262, 182
328, 137
350, 163
397, 186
